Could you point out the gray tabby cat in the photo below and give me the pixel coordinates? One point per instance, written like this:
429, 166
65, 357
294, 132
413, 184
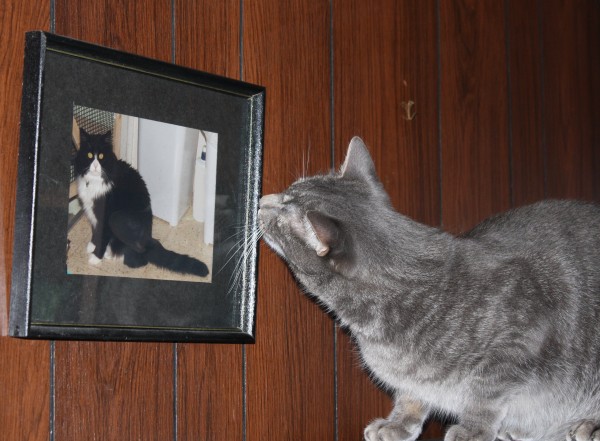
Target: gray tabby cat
498, 328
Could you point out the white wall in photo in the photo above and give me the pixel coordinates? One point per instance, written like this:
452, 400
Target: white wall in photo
127, 137
177, 173
205, 181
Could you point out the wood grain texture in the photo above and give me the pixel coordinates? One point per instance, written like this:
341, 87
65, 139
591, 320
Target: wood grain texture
207, 36
594, 89
570, 42
108, 391
290, 370
385, 55
25, 386
24, 365
116, 390
143, 28
475, 155
209, 377
525, 83
209, 392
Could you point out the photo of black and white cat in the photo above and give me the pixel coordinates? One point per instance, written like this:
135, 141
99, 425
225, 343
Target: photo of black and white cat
115, 232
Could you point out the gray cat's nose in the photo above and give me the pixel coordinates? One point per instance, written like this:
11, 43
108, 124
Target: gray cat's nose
270, 201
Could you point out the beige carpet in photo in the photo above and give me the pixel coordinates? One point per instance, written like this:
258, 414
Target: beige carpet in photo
185, 238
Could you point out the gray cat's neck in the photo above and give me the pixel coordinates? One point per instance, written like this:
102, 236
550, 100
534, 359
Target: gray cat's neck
403, 267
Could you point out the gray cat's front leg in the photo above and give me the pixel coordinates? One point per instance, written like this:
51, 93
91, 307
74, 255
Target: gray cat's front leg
479, 425
404, 423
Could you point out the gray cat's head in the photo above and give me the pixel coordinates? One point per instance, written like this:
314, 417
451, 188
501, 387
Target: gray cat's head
320, 225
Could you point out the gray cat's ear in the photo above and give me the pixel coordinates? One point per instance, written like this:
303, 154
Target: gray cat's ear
326, 231
358, 162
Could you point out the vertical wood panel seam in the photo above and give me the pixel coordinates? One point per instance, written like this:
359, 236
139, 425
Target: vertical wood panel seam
173, 24
174, 346
52, 15
51, 355
244, 355
540, 12
175, 394
241, 41
336, 418
244, 392
331, 87
439, 108
336, 433
51, 401
507, 47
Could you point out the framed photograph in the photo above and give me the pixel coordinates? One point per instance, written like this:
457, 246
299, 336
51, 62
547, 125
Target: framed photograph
137, 196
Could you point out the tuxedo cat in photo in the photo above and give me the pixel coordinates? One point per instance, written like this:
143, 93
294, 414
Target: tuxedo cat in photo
117, 203
498, 328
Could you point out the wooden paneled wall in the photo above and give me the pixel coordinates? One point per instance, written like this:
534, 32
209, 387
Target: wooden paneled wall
506, 111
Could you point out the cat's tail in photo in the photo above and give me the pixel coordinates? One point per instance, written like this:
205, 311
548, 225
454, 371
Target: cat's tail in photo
181, 263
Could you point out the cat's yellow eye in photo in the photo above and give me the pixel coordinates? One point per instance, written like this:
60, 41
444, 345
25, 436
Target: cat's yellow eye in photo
101, 156
90, 155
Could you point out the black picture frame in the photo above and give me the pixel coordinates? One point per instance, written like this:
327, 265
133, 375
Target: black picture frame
47, 302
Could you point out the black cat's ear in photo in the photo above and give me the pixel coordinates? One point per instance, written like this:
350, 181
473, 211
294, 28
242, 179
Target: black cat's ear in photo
107, 138
83, 135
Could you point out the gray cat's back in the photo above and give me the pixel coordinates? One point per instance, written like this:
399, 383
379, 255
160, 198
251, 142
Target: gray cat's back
541, 223
558, 239
552, 245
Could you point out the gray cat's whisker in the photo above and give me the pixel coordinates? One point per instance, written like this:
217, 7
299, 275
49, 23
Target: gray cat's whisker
237, 273
243, 244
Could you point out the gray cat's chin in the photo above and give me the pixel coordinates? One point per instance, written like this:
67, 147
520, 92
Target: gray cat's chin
274, 245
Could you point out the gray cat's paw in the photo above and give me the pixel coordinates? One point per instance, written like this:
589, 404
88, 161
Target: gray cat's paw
386, 430
90, 247
584, 431
460, 433
93, 260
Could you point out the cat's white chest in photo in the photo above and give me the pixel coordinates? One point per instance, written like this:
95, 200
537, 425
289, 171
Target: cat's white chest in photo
90, 187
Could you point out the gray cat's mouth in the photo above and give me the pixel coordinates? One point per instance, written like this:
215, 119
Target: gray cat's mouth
269, 208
